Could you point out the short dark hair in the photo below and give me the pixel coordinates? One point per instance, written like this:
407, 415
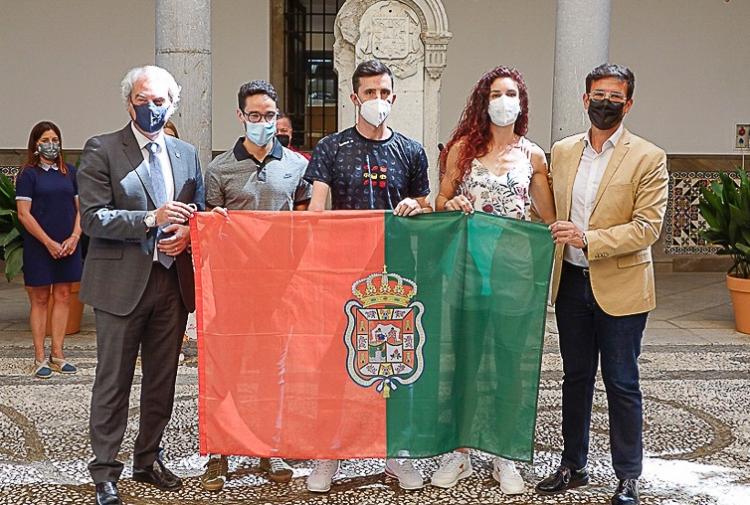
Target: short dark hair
370, 68
257, 87
282, 115
605, 70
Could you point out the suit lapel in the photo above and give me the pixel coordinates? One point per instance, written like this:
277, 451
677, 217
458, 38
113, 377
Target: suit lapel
179, 170
571, 164
135, 156
621, 149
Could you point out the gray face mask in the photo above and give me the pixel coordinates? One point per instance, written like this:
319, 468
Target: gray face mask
49, 150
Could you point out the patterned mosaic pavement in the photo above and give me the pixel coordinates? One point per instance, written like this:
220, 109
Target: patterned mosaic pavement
696, 380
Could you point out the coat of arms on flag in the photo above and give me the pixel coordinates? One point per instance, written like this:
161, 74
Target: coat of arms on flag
384, 335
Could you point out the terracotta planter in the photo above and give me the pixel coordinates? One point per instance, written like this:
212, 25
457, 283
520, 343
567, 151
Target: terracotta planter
75, 311
740, 291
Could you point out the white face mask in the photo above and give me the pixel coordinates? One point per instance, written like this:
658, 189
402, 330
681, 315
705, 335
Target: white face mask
504, 110
375, 111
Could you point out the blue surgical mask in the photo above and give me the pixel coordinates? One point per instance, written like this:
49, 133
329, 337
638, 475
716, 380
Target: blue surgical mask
150, 117
260, 134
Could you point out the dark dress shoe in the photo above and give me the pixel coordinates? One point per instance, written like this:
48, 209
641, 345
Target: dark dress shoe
627, 493
106, 494
158, 475
563, 479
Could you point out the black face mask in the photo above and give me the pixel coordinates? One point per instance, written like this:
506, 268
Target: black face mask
605, 114
284, 139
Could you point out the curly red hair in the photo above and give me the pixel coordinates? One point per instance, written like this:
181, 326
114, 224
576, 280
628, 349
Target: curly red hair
473, 130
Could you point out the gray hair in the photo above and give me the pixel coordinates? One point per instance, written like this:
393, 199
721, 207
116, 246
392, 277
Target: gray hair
152, 72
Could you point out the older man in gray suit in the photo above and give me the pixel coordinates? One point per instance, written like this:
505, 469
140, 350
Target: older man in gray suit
137, 190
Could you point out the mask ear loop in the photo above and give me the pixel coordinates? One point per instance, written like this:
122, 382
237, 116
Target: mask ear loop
357, 110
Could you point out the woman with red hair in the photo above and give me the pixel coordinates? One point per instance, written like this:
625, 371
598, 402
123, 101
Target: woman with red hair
47, 201
490, 166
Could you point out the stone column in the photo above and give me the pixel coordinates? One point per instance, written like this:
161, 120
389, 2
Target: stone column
436, 51
183, 46
581, 43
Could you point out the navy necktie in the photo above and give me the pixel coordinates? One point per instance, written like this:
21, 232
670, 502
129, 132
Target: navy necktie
160, 193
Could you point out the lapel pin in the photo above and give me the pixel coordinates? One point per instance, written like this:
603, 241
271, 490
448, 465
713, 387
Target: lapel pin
177, 155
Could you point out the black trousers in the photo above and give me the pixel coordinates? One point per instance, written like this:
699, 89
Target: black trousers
156, 327
588, 334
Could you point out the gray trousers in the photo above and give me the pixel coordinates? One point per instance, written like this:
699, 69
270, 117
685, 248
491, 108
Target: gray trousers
156, 326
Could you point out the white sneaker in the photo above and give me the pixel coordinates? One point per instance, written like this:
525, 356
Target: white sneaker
319, 481
454, 466
402, 469
504, 471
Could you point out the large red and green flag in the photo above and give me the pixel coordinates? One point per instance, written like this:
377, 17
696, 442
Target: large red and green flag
363, 334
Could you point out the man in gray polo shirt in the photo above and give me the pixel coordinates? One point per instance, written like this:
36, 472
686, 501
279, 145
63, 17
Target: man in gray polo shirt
257, 174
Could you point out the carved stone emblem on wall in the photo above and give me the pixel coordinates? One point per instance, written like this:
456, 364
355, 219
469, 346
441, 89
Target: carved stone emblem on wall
390, 32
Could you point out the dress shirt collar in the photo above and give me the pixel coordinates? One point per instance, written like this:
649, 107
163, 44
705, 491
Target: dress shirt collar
46, 167
610, 142
143, 140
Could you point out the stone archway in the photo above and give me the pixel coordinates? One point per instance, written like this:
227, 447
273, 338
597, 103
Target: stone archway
411, 37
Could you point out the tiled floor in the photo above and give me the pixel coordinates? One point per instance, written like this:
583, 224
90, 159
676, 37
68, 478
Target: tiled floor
695, 377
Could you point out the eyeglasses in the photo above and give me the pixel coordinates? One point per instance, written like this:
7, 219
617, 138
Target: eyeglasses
256, 117
598, 95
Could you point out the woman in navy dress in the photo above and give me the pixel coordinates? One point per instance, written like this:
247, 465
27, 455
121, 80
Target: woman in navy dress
47, 201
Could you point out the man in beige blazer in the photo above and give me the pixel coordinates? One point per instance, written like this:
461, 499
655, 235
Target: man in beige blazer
610, 189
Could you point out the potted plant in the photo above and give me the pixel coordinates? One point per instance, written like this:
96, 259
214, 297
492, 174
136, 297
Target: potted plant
725, 205
11, 241
11, 252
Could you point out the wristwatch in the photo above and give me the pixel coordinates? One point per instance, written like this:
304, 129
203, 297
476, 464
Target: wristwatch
585, 241
150, 219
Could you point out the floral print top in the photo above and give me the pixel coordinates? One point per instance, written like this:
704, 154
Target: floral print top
502, 195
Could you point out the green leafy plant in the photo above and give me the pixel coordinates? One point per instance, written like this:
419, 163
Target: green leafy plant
725, 205
11, 241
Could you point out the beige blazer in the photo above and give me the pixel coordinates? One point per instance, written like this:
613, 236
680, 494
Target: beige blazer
625, 221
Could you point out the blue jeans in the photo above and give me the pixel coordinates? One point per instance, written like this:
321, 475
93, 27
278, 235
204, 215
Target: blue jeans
588, 334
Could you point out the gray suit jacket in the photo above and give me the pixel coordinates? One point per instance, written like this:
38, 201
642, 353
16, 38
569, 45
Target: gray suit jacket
115, 193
